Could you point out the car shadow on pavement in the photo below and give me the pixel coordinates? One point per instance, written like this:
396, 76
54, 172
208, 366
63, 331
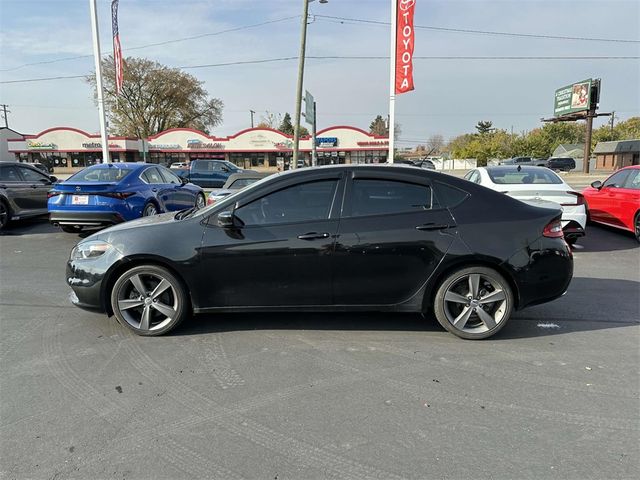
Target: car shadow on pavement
601, 238
582, 309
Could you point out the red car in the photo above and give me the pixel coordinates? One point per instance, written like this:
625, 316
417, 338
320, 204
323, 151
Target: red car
616, 202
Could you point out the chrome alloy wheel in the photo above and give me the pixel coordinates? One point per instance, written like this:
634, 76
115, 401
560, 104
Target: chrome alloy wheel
147, 300
149, 210
475, 303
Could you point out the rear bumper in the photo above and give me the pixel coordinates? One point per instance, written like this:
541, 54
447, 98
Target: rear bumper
94, 219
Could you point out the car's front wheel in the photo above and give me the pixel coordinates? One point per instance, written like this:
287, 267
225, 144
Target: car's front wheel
149, 300
636, 226
473, 302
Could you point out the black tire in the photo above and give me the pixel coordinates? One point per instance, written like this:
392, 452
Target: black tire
5, 214
200, 201
636, 226
150, 209
71, 229
452, 302
163, 310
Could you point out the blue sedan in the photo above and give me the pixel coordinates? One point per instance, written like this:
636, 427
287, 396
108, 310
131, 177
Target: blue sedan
111, 193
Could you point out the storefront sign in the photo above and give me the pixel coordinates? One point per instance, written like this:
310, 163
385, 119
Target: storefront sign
41, 146
98, 145
259, 141
167, 146
286, 145
378, 143
405, 39
194, 143
326, 142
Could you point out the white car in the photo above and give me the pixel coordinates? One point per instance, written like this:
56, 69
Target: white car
537, 185
179, 165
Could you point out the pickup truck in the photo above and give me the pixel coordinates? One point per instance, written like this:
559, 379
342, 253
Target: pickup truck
536, 162
209, 173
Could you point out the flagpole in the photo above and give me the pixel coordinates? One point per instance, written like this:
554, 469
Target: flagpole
392, 81
97, 57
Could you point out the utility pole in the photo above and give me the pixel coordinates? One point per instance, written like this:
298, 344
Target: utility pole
252, 114
392, 81
6, 118
613, 115
97, 59
303, 46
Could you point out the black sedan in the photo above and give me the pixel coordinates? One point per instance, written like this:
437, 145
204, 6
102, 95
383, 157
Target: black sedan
348, 238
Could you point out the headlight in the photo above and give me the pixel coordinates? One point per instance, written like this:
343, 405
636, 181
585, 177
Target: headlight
92, 249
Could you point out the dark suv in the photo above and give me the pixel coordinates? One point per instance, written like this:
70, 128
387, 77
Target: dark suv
23, 191
561, 163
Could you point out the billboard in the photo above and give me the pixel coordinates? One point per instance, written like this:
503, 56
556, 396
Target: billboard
573, 98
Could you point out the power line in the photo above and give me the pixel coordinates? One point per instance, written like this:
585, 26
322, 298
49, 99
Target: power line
355, 57
166, 42
484, 32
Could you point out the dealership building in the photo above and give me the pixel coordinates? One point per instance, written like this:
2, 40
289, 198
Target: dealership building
67, 149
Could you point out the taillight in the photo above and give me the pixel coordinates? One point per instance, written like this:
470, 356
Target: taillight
579, 200
553, 229
52, 194
118, 195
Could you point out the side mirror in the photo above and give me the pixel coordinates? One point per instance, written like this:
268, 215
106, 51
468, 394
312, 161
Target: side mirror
597, 184
183, 180
226, 219
53, 178
225, 169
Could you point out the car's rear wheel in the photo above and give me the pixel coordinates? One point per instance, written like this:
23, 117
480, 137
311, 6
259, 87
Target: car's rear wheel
473, 302
149, 300
200, 201
71, 228
636, 226
5, 214
149, 210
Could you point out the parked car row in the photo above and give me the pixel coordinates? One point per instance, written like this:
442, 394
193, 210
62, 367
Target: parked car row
565, 164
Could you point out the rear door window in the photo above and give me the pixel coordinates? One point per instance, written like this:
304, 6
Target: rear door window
383, 197
152, 176
9, 173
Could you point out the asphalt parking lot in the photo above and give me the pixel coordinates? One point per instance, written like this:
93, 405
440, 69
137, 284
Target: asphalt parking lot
287, 396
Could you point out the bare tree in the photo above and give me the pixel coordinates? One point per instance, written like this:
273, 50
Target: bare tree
435, 143
154, 98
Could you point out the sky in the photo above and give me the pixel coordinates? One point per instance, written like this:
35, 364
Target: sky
450, 96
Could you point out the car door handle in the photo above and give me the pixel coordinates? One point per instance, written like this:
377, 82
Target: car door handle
313, 236
434, 226
154, 189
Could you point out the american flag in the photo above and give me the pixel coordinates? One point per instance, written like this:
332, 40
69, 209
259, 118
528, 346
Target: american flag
117, 49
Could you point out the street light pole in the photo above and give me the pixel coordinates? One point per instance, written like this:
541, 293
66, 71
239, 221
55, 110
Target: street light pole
303, 46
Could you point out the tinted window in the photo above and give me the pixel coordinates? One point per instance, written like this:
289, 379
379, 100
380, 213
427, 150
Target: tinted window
617, 179
299, 203
511, 176
204, 166
633, 180
31, 175
152, 176
169, 177
447, 196
9, 173
379, 197
101, 174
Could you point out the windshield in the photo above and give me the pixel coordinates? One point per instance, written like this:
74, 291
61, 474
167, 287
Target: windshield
513, 176
106, 173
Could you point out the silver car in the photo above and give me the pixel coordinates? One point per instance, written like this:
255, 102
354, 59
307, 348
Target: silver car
23, 191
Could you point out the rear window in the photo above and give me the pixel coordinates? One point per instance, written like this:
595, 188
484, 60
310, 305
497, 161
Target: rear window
101, 174
507, 176
243, 182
